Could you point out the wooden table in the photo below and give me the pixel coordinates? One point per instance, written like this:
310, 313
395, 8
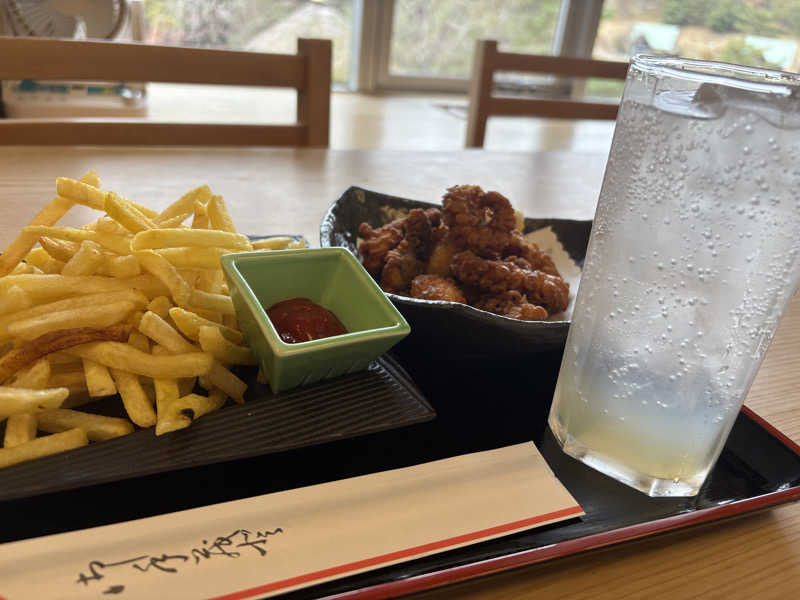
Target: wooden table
287, 191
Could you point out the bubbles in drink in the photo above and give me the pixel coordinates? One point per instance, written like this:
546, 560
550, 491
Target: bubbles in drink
719, 268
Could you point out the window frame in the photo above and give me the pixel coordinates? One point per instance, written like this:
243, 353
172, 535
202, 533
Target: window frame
576, 30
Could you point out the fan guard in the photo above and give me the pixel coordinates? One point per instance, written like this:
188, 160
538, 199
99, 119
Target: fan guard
97, 19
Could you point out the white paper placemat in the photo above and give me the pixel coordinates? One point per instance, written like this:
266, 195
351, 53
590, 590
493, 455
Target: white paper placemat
274, 543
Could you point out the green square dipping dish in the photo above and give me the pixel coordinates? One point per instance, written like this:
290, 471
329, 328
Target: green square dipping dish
330, 277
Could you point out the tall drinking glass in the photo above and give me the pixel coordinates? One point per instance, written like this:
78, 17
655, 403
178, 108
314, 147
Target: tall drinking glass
692, 260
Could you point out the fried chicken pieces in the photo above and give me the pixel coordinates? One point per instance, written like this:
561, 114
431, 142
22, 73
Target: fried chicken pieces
471, 252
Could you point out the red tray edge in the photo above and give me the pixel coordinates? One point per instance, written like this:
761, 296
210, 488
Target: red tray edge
462, 573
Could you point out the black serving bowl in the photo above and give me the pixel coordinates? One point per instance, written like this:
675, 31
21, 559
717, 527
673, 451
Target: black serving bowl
449, 329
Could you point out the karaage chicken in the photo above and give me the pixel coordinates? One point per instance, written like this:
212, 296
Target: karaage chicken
472, 251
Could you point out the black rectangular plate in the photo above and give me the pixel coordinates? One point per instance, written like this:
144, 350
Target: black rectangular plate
503, 402
382, 397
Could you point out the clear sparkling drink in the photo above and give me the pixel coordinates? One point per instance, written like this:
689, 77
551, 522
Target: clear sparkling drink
692, 260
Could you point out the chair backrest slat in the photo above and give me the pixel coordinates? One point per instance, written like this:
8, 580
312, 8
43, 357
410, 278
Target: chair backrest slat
488, 61
115, 132
308, 71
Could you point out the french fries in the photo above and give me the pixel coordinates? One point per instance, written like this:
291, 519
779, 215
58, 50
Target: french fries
189, 324
54, 341
43, 446
100, 316
98, 379
133, 303
20, 428
127, 358
20, 400
97, 427
215, 343
178, 238
34, 377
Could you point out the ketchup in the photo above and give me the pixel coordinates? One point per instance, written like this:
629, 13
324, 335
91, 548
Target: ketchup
300, 320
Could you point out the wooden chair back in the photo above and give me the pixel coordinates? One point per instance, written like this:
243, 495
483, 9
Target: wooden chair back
483, 104
308, 71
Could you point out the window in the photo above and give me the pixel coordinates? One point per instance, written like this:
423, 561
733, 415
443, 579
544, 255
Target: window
255, 25
764, 33
436, 39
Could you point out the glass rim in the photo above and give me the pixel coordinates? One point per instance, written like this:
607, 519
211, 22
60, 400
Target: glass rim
756, 79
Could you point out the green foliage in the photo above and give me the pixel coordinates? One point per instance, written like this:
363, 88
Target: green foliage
437, 38
684, 12
768, 18
722, 15
737, 52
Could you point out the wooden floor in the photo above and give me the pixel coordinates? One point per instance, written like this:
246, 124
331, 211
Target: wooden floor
399, 121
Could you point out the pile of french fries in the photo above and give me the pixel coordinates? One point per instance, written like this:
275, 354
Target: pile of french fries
133, 303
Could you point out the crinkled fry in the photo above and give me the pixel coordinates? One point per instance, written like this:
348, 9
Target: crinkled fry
213, 342
21, 400
88, 316
48, 343
20, 428
43, 446
177, 238
189, 324
98, 428
49, 215
126, 357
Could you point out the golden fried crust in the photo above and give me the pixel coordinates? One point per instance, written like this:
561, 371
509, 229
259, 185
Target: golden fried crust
495, 277
434, 287
512, 304
54, 341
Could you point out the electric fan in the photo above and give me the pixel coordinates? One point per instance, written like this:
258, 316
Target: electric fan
95, 19
71, 19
